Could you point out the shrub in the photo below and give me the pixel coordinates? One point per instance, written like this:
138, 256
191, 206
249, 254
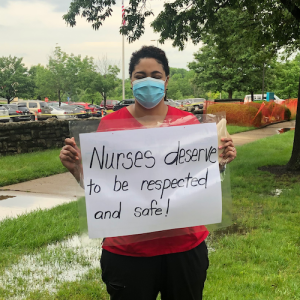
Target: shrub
291, 104
271, 111
241, 115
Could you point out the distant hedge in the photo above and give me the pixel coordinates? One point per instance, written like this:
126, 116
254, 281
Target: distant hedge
238, 114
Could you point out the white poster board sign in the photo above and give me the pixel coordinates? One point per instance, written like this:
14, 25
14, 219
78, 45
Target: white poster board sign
147, 180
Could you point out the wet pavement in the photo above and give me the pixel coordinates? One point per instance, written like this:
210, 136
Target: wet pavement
13, 203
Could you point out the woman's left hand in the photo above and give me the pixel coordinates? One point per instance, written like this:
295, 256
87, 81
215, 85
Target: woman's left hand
229, 153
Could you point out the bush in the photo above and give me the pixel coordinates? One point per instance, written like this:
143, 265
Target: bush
241, 115
291, 104
271, 111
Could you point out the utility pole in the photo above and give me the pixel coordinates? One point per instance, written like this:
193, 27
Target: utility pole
123, 53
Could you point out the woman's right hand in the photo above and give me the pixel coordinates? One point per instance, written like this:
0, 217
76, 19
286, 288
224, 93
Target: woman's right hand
70, 157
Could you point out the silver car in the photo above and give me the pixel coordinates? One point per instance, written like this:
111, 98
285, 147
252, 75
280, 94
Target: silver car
4, 114
62, 112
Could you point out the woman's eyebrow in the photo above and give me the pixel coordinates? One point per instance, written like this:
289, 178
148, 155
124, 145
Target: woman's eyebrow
154, 72
141, 72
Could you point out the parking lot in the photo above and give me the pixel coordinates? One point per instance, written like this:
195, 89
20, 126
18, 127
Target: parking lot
37, 110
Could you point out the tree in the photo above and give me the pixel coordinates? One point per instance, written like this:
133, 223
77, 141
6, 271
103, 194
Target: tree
106, 79
42, 77
286, 75
106, 82
180, 84
65, 76
181, 20
230, 60
15, 79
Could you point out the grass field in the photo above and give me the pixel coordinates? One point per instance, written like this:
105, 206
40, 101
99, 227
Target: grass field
236, 129
258, 259
27, 166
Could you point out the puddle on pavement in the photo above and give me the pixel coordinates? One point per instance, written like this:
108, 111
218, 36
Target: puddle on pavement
15, 203
283, 130
4, 197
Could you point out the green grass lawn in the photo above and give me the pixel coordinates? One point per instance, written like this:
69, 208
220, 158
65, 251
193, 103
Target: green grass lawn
232, 129
258, 260
27, 166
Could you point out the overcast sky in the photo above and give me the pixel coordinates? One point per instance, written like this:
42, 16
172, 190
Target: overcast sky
32, 28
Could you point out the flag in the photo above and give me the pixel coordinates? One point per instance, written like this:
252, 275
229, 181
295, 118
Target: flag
123, 14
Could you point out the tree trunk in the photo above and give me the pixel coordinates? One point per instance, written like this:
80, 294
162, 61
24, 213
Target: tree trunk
59, 98
294, 162
230, 94
252, 96
104, 99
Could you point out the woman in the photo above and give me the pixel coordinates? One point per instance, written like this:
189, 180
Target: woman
174, 265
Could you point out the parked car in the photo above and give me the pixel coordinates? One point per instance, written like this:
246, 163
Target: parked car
197, 103
78, 111
85, 106
123, 103
100, 111
4, 117
171, 102
16, 114
109, 104
38, 107
62, 112
81, 112
23, 107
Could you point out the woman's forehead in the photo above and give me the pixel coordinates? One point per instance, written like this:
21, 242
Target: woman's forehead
148, 64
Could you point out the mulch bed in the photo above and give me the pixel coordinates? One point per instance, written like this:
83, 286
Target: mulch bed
279, 171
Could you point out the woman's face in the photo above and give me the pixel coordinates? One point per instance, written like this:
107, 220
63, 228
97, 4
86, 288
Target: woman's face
149, 67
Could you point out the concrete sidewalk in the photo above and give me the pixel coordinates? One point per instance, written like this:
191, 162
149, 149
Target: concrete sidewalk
242, 138
57, 189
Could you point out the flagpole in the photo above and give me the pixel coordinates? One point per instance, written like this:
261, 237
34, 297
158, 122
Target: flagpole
123, 54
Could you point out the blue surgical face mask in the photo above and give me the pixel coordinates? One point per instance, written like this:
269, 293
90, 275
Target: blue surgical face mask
148, 91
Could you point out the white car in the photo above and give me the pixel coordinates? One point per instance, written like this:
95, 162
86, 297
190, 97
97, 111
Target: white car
4, 114
62, 113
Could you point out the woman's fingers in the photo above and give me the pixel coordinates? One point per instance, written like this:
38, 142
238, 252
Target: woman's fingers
69, 153
229, 153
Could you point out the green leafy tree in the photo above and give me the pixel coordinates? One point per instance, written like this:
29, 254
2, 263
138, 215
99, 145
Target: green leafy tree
286, 75
181, 85
15, 79
116, 93
65, 76
42, 76
106, 80
181, 20
230, 61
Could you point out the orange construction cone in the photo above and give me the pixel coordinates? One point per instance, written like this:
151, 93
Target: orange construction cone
35, 116
102, 113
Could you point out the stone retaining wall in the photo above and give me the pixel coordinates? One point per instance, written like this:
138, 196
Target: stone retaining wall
25, 137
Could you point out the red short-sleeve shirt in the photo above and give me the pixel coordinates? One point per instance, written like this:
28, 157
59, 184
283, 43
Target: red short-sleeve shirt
157, 243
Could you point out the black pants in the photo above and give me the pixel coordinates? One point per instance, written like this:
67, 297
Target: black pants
178, 276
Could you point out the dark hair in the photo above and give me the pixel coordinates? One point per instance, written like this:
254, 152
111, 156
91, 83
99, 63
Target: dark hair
149, 52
